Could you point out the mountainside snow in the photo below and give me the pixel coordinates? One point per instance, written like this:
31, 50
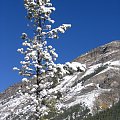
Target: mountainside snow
98, 87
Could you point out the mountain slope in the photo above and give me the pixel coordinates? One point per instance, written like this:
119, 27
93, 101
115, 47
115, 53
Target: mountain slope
97, 88
110, 114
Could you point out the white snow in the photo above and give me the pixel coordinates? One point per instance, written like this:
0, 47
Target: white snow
115, 63
76, 65
25, 80
86, 99
110, 65
65, 87
92, 69
66, 83
13, 104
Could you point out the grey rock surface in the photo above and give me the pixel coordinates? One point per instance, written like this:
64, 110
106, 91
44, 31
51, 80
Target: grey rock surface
98, 87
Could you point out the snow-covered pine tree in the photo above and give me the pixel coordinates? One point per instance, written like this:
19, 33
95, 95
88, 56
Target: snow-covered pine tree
38, 57
38, 63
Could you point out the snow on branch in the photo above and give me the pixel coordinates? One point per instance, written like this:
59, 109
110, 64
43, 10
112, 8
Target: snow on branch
39, 58
54, 32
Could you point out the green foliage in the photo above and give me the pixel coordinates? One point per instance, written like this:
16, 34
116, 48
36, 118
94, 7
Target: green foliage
52, 109
109, 114
76, 112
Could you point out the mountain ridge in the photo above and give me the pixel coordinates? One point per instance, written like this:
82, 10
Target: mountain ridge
98, 87
98, 51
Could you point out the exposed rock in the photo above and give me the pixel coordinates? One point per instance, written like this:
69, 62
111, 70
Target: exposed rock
102, 54
98, 87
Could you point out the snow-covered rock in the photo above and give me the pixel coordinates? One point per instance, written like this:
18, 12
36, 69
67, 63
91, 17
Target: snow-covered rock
96, 83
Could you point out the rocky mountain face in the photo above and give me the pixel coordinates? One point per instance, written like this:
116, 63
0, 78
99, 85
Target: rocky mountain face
97, 88
105, 62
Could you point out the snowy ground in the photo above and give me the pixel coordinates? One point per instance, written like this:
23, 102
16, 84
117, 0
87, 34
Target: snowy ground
18, 103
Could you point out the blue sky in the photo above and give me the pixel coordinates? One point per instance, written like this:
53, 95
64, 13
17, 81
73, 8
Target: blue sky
94, 23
